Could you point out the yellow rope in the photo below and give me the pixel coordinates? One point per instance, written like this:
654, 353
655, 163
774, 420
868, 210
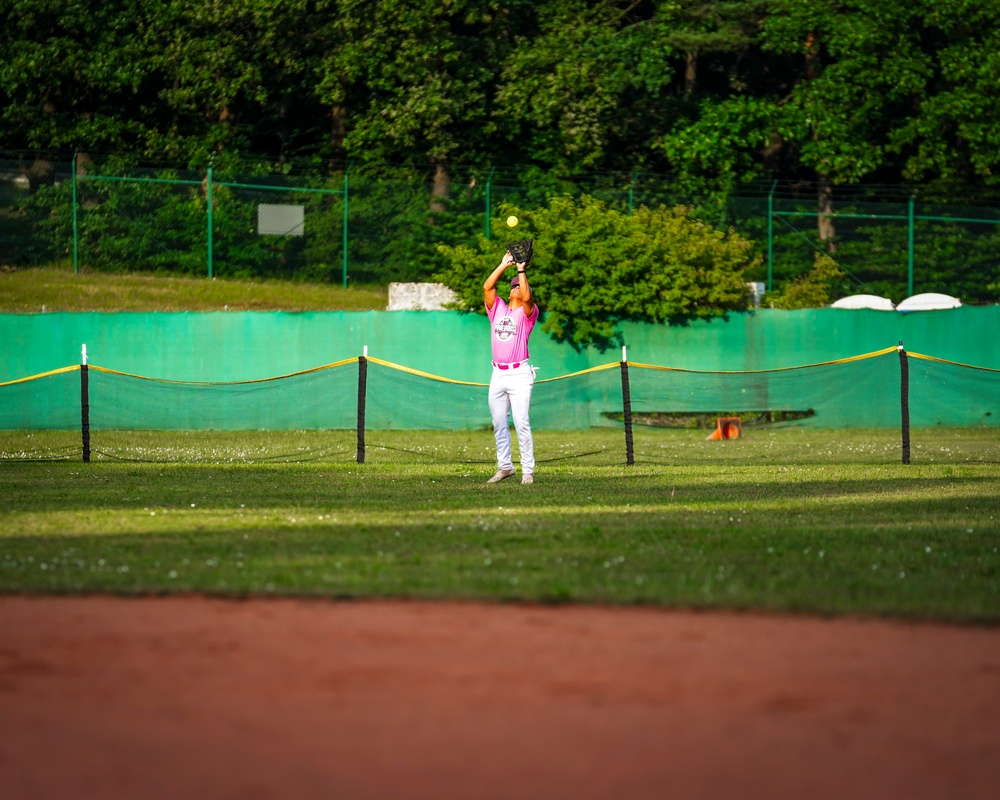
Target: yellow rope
582, 372
420, 374
946, 361
42, 375
225, 383
430, 376
417, 372
886, 351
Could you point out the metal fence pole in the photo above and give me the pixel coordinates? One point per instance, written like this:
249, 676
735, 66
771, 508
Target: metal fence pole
210, 223
76, 229
770, 235
909, 249
489, 209
347, 174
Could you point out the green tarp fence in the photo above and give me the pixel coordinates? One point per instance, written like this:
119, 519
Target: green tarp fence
862, 391
237, 371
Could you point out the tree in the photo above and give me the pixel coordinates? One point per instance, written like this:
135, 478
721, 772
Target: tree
719, 32
721, 132
717, 93
860, 65
73, 74
173, 78
595, 268
952, 135
222, 67
411, 80
849, 86
579, 92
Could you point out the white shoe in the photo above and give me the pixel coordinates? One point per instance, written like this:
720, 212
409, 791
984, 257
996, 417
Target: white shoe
500, 474
529, 478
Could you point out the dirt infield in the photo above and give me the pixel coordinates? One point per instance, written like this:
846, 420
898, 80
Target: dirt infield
107, 698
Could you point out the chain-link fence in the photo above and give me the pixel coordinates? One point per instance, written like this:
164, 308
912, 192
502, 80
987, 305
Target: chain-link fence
360, 227
887, 248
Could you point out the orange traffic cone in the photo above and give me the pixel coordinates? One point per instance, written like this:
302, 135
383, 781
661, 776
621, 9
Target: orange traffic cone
727, 428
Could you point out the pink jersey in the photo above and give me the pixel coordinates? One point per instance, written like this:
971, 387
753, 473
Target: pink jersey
511, 329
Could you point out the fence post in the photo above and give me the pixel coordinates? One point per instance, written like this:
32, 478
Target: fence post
489, 208
362, 401
627, 410
770, 235
210, 222
347, 173
904, 400
76, 229
85, 405
909, 249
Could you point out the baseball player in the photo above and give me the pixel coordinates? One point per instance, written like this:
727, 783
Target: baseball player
513, 378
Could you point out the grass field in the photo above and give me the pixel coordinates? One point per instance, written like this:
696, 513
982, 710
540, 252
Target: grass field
33, 291
785, 519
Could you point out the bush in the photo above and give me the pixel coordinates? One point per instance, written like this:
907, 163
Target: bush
812, 290
595, 267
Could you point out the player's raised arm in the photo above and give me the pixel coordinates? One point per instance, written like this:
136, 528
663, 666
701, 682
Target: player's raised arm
490, 287
524, 290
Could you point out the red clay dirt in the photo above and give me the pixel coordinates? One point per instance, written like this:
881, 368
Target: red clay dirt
194, 697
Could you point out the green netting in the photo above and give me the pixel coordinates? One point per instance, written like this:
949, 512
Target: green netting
318, 399
47, 401
401, 399
582, 400
946, 393
856, 393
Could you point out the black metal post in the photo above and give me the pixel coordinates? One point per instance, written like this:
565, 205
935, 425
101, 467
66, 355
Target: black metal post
362, 398
904, 400
627, 414
85, 410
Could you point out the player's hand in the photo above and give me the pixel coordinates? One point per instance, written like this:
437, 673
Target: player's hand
507, 259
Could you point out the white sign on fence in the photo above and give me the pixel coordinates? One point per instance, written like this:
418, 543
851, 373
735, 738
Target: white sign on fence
274, 220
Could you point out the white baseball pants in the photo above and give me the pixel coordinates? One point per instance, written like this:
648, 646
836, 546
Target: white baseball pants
510, 392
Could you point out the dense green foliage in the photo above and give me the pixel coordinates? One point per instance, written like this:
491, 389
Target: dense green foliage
787, 520
595, 267
715, 92
842, 112
812, 290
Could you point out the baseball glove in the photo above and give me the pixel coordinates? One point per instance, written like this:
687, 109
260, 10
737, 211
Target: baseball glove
521, 251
